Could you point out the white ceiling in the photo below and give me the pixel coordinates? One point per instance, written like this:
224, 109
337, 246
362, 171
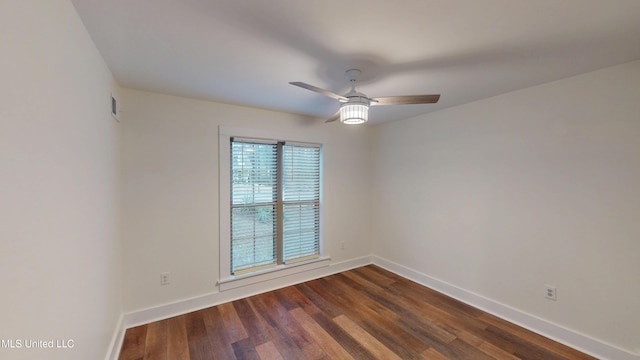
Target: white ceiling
246, 51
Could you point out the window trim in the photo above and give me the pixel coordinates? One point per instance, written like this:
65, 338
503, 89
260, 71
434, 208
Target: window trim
226, 279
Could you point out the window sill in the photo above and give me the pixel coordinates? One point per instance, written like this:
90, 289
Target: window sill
233, 282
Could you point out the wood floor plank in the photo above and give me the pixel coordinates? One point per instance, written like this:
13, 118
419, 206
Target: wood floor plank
328, 344
364, 313
433, 297
336, 293
367, 340
484, 346
245, 350
155, 347
496, 352
232, 323
268, 351
217, 334
384, 328
300, 297
406, 312
362, 281
253, 323
133, 343
470, 338
321, 298
290, 326
520, 347
534, 338
433, 354
404, 344
200, 347
440, 312
347, 342
368, 272
379, 321
366, 295
277, 321
291, 297
458, 349
177, 341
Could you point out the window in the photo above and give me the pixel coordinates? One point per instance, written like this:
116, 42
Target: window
274, 203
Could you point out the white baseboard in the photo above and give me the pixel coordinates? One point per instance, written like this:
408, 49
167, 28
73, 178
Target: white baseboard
553, 331
116, 340
184, 306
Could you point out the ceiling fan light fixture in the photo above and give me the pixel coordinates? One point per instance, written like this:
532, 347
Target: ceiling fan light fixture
354, 112
355, 105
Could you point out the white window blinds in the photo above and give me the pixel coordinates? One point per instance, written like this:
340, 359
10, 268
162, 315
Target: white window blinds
275, 203
300, 202
253, 205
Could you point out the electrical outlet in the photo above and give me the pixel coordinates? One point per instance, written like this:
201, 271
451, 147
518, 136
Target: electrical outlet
550, 292
164, 278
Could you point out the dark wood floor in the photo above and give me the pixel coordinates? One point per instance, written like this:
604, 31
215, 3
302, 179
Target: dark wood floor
366, 313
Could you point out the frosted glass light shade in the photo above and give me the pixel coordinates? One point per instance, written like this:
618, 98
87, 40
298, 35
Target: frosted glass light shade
354, 113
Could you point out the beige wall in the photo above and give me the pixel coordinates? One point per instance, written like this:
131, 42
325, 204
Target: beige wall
171, 204
60, 250
538, 186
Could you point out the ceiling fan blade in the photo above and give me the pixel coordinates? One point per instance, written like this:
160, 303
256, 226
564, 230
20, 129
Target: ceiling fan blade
319, 90
404, 100
333, 117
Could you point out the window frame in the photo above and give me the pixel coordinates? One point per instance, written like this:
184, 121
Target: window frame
227, 280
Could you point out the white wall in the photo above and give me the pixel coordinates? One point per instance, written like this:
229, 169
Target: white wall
170, 189
60, 253
538, 186
497, 197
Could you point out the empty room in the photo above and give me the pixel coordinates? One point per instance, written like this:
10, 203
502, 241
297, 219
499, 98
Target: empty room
413, 179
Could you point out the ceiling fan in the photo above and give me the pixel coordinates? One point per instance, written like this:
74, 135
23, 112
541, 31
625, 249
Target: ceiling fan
355, 105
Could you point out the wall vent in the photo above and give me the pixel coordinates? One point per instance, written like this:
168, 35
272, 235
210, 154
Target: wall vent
114, 108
